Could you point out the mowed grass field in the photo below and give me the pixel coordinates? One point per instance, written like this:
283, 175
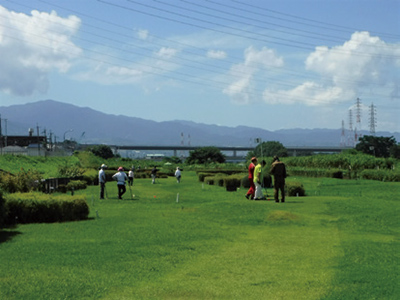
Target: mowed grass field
341, 241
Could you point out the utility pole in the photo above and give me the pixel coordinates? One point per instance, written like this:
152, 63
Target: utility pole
350, 138
5, 137
372, 119
51, 140
38, 138
343, 137
358, 114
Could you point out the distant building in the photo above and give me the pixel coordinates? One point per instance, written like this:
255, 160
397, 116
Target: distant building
21, 140
155, 156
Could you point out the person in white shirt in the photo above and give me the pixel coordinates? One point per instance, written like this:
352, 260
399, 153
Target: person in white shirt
120, 177
131, 176
178, 175
102, 180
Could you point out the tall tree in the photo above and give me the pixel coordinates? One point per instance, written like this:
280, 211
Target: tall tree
205, 155
103, 151
378, 146
270, 148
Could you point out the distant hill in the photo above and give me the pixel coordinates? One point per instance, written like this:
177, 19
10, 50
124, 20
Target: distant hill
93, 127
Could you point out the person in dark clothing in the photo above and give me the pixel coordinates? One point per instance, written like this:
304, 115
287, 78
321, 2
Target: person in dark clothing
278, 170
154, 174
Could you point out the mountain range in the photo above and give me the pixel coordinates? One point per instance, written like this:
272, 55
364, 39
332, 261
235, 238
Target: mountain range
88, 126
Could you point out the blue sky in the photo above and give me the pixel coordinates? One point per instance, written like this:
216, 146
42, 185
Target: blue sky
268, 64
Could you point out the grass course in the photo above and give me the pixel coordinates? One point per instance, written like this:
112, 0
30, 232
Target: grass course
339, 242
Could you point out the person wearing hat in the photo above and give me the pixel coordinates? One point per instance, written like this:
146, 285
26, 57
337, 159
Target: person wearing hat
278, 169
252, 189
102, 180
178, 174
120, 177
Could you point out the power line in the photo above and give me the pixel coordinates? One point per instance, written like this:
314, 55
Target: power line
254, 37
271, 68
212, 83
335, 27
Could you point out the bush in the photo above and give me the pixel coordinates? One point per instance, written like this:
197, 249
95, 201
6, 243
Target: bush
2, 209
335, 174
294, 189
267, 181
232, 182
91, 177
381, 175
76, 185
39, 208
202, 175
209, 180
23, 181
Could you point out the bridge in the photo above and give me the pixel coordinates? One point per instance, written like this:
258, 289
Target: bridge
234, 149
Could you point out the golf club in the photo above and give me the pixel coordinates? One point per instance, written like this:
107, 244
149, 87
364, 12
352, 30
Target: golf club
132, 195
105, 190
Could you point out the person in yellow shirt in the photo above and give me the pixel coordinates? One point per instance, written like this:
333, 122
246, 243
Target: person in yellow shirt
258, 177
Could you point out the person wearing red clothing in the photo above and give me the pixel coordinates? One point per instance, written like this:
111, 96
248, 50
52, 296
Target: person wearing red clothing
252, 189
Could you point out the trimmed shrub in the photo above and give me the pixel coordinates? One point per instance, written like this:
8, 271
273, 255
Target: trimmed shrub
381, 175
245, 182
40, 208
23, 181
2, 209
76, 185
209, 180
232, 182
335, 174
294, 189
91, 177
202, 175
221, 171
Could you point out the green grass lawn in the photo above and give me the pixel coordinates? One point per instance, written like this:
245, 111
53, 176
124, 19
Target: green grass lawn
339, 242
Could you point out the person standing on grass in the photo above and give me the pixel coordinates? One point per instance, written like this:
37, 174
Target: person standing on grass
154, 175
120, 177
131, 175
178, 175
251, 191
102, 180
278, 170
257, 181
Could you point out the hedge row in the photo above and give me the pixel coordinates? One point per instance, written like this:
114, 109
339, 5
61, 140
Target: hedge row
372, 174
231, 182
92, 176
331, 173
41, 208
381, 175
219, 171
2, 209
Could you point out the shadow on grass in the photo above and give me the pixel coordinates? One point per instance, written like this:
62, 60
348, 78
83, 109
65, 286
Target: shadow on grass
5, 236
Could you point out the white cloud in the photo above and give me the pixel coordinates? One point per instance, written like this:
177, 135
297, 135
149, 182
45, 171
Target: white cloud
31, 47
243, 74
143, 34
166, 52
309, 93
216, 54
362, 64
